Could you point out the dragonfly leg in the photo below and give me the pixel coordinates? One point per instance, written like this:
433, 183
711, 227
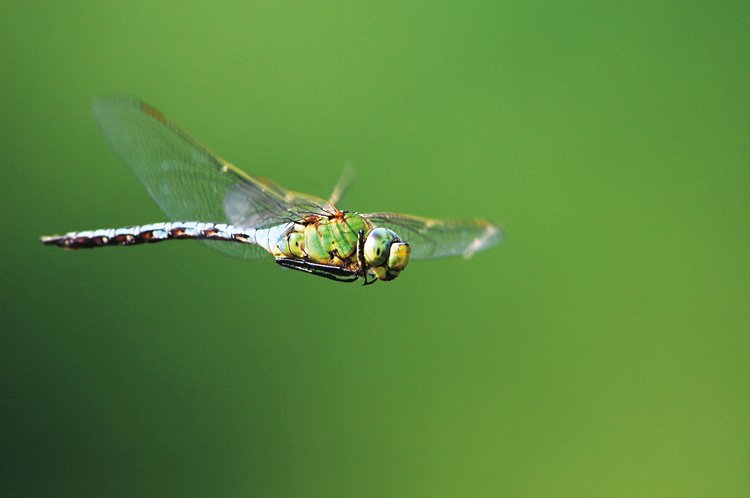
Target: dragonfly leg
361, 263
361, 250
372, 279
328, 271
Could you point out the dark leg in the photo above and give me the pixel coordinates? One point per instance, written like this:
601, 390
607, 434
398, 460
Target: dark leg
361, 249
328, 271
362, 270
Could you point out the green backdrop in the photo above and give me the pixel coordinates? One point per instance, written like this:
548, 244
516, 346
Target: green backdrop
602, 350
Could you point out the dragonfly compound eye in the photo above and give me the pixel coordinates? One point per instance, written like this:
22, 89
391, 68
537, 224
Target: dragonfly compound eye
399, 256
385, 253
378, 246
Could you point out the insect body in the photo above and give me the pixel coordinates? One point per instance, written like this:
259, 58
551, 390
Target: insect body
249, 217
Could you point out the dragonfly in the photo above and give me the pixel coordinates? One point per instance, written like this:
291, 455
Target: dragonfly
210, 199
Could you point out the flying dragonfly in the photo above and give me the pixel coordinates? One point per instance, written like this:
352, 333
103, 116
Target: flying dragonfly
249, 217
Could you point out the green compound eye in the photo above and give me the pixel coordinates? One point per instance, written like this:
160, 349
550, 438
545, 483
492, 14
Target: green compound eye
399, 256
378, 246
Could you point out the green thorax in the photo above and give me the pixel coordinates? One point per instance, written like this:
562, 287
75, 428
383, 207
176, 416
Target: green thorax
325, 240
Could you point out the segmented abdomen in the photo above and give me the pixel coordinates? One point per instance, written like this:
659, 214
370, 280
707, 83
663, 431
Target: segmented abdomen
155, 232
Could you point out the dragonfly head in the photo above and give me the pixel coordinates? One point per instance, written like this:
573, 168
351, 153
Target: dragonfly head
386, 253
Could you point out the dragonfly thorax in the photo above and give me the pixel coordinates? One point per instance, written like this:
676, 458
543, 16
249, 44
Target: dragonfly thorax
329, 240
344, 241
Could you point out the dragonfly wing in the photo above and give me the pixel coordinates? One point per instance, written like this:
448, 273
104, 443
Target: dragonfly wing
186, 179
301, 204
431, 238
342, 186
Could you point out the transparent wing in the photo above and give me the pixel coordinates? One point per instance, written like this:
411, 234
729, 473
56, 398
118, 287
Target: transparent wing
188, 181
342, 186
430, 238
299, 203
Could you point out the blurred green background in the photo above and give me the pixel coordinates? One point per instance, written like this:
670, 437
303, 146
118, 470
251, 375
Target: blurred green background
602, 350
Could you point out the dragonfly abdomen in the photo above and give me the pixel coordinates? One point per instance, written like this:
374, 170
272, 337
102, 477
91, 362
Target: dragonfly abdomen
155, 232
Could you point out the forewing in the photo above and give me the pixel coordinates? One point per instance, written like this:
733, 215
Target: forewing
431, 238
186, 179
301, 204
